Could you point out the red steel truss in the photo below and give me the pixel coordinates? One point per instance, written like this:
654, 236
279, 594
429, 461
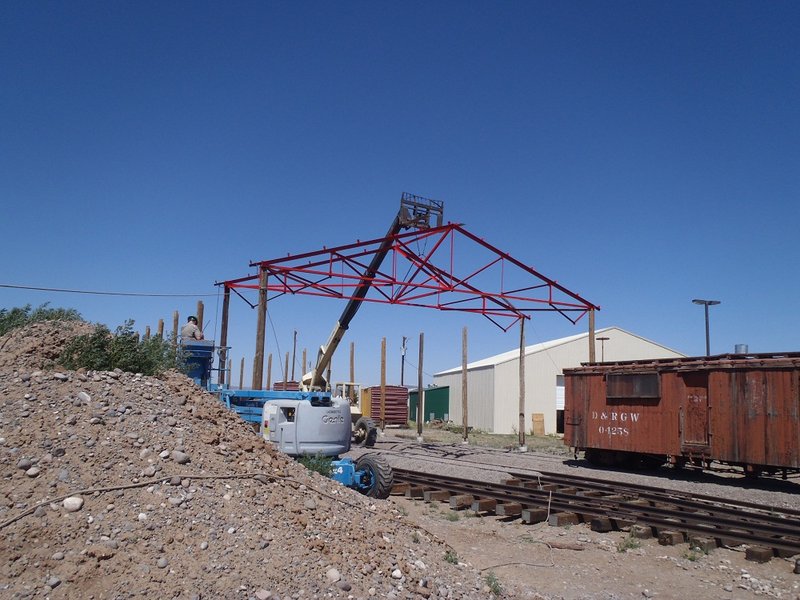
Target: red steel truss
421, 269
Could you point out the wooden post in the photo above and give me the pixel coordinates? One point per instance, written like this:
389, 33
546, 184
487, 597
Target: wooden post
241, 375
294, 350
175, 328
161, 328
200, 313
592, 342
286, 369
464, 418
147, 332
223, 334
522, 446
402, 361
261, 327
420, 391
383, 383
269, 372
352, 397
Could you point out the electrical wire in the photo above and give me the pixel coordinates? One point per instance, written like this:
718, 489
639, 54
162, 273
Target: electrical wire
99, 293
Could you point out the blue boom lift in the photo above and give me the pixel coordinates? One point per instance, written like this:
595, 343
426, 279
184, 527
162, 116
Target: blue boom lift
312, 421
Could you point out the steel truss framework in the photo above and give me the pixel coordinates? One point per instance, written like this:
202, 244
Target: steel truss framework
419, 270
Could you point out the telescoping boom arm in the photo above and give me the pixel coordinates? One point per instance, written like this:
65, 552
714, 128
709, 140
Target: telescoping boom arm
415, 212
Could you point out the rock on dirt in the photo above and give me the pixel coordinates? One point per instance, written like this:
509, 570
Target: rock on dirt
148, 487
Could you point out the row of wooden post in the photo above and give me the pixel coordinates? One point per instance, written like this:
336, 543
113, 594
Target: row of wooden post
258, 361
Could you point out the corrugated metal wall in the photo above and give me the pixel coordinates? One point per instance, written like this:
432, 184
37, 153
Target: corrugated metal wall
480, 388
395, 406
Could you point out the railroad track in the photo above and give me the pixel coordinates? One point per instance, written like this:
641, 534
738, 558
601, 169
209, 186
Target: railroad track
561, 499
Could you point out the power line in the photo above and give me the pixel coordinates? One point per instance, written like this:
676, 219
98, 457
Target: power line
98, 293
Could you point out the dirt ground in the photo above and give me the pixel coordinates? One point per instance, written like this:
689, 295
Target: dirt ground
116, 485
574, 563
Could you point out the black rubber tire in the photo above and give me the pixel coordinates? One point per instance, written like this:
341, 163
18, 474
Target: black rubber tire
379, 472
365, 433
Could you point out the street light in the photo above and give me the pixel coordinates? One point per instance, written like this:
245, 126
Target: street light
706, 304
602, 341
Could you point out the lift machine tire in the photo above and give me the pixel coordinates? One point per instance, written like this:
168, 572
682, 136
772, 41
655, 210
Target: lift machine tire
375, 476
365, 433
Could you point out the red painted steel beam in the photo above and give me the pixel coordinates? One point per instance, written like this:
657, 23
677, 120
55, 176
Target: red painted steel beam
338, 272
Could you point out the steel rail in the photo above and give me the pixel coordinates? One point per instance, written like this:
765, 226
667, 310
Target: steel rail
726, 524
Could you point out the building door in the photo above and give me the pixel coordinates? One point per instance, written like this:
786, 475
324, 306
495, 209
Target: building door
694, 410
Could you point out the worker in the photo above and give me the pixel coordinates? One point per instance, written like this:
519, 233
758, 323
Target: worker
191, 331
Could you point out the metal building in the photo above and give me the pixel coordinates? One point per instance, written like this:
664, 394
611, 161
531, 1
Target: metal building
493, 382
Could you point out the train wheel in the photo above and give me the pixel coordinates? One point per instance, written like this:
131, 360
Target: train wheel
365, 433
378, 478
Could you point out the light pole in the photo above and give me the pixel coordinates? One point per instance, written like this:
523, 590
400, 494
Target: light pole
602, 341
706, 304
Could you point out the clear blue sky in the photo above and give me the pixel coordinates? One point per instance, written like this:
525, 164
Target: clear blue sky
640, 153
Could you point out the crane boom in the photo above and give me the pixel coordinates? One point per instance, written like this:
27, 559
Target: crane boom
415, 212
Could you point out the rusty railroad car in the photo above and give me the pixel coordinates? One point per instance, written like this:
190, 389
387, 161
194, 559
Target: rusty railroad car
740, 410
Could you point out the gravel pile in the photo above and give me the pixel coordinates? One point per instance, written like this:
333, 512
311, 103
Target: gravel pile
117, 485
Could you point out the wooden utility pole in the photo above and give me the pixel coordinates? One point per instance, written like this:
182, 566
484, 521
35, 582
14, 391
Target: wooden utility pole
286, 368
241, 375
161, 328
420, 392
592, 349
261, 328
522, 446
464, 403
175, 328
294, 350
303, 371
223, 334
269, 372
383, 383
200, 313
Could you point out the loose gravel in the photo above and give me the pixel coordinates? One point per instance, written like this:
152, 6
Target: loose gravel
116, 485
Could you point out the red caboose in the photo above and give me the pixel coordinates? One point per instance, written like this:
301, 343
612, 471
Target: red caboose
735, 409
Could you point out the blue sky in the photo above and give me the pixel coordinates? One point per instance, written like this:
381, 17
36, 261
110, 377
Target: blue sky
640, 153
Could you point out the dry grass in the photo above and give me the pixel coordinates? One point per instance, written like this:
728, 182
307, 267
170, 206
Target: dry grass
545, 443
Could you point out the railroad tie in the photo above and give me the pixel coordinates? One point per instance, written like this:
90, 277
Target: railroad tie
534, 515
508, 509
483, 505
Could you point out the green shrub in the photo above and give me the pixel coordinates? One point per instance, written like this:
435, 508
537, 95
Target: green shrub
104, 351
318, 464
629, 543
494, 584
21, 316
451, 557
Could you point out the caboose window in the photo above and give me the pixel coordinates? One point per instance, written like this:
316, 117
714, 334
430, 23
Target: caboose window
633, 385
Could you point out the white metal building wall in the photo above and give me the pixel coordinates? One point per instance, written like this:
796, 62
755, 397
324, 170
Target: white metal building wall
494, 389
480, 397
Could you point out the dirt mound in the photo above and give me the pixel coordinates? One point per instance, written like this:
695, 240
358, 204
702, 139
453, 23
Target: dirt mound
117, 485
39, 345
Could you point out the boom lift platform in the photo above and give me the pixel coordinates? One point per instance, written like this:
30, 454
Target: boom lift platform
313, 421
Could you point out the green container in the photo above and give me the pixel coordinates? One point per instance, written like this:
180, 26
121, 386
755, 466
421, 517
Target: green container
437, 404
